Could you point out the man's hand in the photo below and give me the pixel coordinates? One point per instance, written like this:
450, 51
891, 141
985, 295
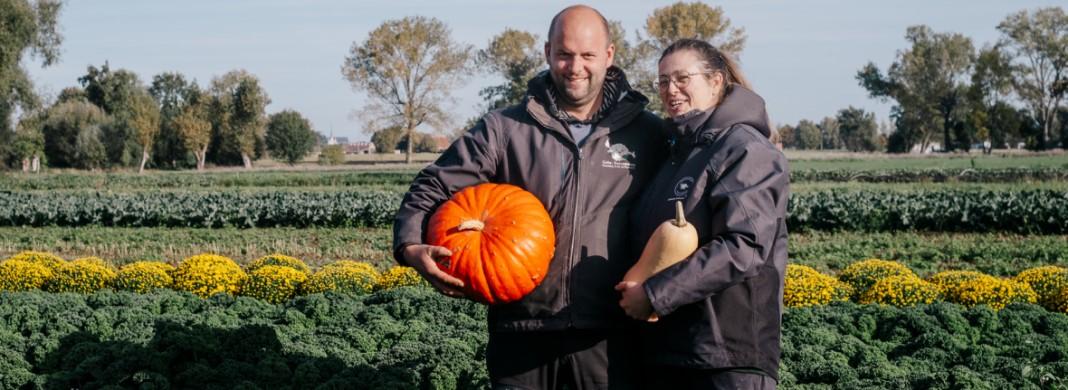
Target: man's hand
423, 259
635, 303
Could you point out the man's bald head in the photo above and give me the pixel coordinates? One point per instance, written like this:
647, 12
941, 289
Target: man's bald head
579, 14
579, 52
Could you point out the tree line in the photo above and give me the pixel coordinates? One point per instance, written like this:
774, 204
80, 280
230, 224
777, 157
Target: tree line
946, 91
943, 90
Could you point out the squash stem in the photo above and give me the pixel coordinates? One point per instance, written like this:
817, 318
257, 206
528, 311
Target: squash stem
680, 215
471, 224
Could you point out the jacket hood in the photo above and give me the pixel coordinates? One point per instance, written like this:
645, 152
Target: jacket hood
740, 107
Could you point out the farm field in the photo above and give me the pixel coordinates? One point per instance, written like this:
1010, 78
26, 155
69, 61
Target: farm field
994, 253
390, 172
801, 160
1006, 219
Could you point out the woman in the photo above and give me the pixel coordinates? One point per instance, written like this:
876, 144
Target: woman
717, 313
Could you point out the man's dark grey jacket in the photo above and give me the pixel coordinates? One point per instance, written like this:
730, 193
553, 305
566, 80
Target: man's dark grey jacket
588, 190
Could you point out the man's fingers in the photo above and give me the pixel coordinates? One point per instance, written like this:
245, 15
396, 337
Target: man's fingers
447, 279
437, 252
448, 291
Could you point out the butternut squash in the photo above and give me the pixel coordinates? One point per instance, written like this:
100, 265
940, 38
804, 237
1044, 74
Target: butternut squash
672, 241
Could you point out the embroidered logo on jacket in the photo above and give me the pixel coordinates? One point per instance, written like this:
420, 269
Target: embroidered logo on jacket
621, 156
682, 188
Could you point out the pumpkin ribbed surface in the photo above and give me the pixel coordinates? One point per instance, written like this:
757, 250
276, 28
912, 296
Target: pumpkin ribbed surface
501, 239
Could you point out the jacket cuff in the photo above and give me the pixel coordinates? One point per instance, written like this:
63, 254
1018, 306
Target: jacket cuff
660, 305
403, 236
398, 253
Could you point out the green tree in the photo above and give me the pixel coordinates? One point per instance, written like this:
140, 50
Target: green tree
407, 68
788, 135
808, 135
89, 152
1039, 43
1062, 117
289, 136
424, 143
172, 93
515, 56
26, 28
332, 155
1005, 122
928, 82
27, 145
858, 129
194, 129
238, 115
991, 82
387, 139
144, 121
629, 55
829, 133
694, 20
639, 60
71, 94
67, 138
115, 91
112, 90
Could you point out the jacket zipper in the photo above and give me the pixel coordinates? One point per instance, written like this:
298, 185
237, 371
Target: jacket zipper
574, 234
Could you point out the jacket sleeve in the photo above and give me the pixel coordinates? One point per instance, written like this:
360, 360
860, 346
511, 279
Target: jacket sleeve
747, 199
470, 160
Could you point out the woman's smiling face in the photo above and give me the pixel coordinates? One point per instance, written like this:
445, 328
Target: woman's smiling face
685, 84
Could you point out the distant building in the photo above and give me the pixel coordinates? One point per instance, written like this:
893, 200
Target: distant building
360, 147
442, 142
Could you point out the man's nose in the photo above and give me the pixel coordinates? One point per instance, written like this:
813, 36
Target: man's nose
574, 65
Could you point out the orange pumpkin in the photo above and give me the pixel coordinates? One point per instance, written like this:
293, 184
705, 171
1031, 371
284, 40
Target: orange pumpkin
501, 240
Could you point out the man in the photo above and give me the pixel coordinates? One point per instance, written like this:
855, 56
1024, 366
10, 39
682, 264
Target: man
582, 142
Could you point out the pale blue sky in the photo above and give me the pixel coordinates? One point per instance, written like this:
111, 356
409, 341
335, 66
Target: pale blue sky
801, 55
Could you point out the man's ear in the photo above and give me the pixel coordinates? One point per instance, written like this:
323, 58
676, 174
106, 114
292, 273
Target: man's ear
547, 48
611, 54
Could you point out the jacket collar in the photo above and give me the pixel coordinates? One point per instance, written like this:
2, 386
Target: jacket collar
619, 105
739, 106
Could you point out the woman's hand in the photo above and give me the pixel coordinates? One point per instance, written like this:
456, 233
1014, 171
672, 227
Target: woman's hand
634, 301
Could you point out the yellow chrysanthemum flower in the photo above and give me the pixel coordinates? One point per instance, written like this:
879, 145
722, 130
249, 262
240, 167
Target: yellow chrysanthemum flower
862, 275
805, 287
1047, 282
901, 290
274, 283
206, 275
280, 260
84, 275
20, 275
949, 281
991, 291
1059, 301
400, 276
144, 276
344, 276
46, 259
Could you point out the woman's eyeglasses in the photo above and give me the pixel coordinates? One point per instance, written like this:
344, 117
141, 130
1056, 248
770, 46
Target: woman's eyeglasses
681, 80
